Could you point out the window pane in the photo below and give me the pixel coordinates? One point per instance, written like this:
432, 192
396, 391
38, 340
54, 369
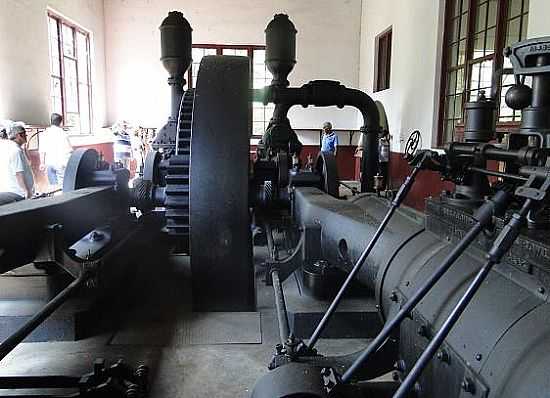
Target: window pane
454, 30
513, 33
82, 54
514, 8
457, 7
55, 94
83, 93
486, 75
72, 121
458, 107
55, 68
451, 83
490, 45
460, 80
259, 57
474, 78
197, 54
233, 51
453, 50
462, 52
492, 15
479, 45
71, 90
449, 107
258, 128
463, 26
481, 16
68, 41
524, 26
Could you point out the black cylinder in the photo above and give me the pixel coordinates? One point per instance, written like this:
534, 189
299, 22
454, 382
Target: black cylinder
480, 119
175, 42
280, 48
536, 118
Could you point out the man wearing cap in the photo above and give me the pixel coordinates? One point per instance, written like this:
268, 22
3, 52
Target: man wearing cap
329, 142
16, 179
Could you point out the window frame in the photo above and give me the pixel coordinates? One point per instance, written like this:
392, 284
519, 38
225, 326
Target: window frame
219, 51
382, 80
497, 58
75, 29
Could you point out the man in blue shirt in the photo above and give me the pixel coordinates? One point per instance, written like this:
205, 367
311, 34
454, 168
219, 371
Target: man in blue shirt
330, 139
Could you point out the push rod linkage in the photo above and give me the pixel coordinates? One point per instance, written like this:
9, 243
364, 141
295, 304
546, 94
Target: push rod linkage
496, 206
396, 202
12, 341
501, 245
280, 305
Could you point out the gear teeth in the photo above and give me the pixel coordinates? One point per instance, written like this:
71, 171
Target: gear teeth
178, 177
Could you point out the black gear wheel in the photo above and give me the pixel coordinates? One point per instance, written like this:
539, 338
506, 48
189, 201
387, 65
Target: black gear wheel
177, 177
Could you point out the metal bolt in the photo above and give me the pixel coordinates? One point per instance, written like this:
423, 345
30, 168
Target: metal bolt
541, 290
479, 357
400, 365
393, 296
443, 356
422, 331
468, 385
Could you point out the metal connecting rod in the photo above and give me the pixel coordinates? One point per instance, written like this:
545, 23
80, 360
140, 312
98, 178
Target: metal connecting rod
502, 244
484, 215
11, 342
282, 315
399, 197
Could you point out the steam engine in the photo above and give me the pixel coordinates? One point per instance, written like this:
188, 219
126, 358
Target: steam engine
461, 291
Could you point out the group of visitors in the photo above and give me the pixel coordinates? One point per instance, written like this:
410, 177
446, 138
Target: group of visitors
17, 181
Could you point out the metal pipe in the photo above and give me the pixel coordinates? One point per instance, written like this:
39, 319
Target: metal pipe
497, 174
399, 197
12, 341
332, 93
500, 247
280, 305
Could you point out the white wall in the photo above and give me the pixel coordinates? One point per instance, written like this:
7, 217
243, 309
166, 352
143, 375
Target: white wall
410, 101
24, 56
327, 48
539, 14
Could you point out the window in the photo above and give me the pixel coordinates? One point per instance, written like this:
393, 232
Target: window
382, 60
476, 32
70, 83
260, 76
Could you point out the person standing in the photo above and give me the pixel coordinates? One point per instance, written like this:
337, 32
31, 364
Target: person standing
55, 150
16, 179
329, 142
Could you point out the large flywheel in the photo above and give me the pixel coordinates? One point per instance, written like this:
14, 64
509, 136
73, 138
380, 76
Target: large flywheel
219, 220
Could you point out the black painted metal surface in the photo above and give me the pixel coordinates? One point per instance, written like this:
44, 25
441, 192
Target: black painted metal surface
221, 251
405, 257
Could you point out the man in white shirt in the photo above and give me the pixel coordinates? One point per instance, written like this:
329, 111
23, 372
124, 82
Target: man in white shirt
55, 150
16, 179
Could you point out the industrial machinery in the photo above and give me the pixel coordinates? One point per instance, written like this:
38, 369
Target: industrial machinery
461, 291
